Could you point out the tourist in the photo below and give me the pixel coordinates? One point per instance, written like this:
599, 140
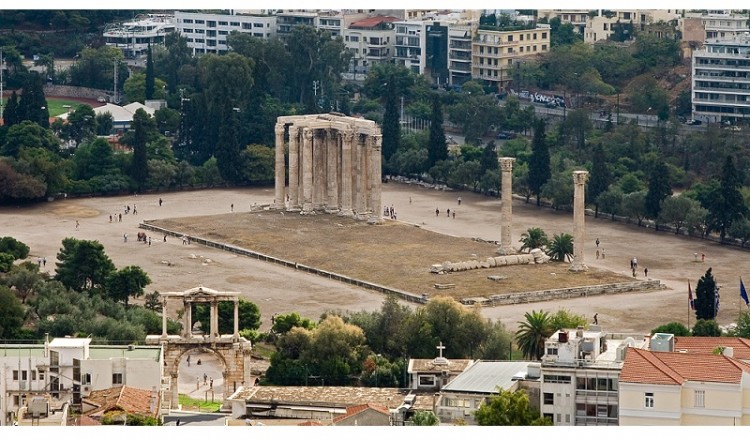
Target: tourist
597, 242
449, 213
149, 241
645, 271
596, 318
120, 218
44, 262
165, 237
135, 211
597, 253
125, 237
459, 201
703, 257
231, 207
437, 212
160, 201
110, 217
454, 214
603, 255
205, 379
77, 224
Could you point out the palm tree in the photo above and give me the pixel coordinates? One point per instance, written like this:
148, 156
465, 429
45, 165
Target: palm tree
533, 238
561, 247
532, 333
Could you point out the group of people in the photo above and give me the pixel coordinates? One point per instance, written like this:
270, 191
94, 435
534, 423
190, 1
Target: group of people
437, 212
389, 212
597, 250
634, 267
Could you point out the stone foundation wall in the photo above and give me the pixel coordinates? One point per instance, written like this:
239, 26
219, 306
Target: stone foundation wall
73, 92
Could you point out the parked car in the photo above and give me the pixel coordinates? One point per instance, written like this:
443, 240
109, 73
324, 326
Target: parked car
505, 135
693, 122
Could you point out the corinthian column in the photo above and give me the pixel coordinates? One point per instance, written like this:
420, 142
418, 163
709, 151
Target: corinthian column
332, 195
506, 206
307, 169
278, 202
375, 177
294, 203
579, 220
346, 173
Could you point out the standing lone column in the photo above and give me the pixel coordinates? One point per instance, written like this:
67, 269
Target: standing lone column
579, 220
506, 206
164, 318
307, 169
375, 178
293, 168
278, 202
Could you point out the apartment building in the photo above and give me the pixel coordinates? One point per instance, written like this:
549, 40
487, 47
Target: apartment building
459, 52
704, 26
68, 369
495, 53
721, 80
207, 33
135, 36
669, 387
580, 375
603, 25
575, 17
371, 41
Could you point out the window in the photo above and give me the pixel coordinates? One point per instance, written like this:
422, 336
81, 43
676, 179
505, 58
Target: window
649, 400
86, 378
41, 375
510, 38
246, 26
426, 380
354, 38
257, 24
549, 398
544, 35
33, 375
211, 23
700, 398
187, 20
24, 375
223, 23
567, 418
15, 375
200, 22
116, 378
188, 31
235, 23
559, 418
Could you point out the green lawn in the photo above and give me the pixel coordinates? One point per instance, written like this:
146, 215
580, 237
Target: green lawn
56, 106
199, 405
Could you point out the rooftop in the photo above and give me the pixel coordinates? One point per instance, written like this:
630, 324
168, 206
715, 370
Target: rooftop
487, 376
389, 397
127, 399
647, 367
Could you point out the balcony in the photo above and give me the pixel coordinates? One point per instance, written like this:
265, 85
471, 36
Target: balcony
593, 420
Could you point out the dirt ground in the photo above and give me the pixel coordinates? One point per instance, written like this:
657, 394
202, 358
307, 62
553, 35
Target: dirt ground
173, 266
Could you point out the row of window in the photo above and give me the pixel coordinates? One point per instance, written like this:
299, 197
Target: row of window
225, 23
24, 375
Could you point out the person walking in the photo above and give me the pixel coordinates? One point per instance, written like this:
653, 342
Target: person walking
160, 201
597, 242
125, 237
596, 318
77, 224
437, 212
449, 212
597, 253
119, 218
459, 200
645, 271
603, 254
135, 211
231, 207
44, 261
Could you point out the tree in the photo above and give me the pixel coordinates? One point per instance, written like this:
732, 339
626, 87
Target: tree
634, 206
259, 162
560, 248
743, 325
726, 204
706, 328
539, 163
142, 126
425, 418
28, 134
149, 92
509, 408
676, 211
675, 328
283, 323
533, 238
136, 86
11, 313
95, 68
532, 333
33, 105
248, 313
10, 112
335, 350
475, 112
706, 297
437, 149
659, 188
94, 159
391, 122
611, 201
740, 230
565, 319
228, 146
125, 283
81, 123
14, 247
25, 280
82, 264
600, 178
104, 124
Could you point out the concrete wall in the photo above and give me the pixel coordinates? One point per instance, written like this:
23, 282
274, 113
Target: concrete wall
73, 92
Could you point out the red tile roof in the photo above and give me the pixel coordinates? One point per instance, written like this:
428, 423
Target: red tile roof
369, 22
670, 368
128, 399
352, 411
706, 345
311, 423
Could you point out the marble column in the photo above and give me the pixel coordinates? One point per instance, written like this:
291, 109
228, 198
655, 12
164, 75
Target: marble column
579, 220
375, 178
279, 193
214, 320
319, 170
332, 191
236, 334
307, 169
294, 203
506, 206
188, 319
346, 172
164, 318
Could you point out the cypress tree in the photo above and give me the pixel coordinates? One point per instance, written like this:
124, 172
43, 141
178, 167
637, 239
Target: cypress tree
149, 75
142, 124
437, 149
600, 179
10, 112
659, 188
539, 162
726, 204
33, 105
391, 122
705, 297
489, 158
228, 146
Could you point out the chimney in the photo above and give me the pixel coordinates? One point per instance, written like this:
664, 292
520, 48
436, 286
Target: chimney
728, 352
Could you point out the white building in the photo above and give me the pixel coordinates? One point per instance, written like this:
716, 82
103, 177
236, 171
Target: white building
580, 376
133, 37
207, 33
371, 41
459, 52
721, 80
68, 369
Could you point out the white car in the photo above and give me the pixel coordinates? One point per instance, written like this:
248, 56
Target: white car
101, 99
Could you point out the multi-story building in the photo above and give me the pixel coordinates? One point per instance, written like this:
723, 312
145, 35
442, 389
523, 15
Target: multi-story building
605, 23
580, 375
286, 21
68, 369
575, 17
459, 53
721, 80
370, 41
409, 45
495, 53
207, 33
133, 37
669, 387
708, 26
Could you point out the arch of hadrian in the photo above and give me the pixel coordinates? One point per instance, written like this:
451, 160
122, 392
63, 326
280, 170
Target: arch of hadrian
334, 165
232, 350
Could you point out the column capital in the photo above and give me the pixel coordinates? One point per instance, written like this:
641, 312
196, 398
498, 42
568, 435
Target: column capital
506, 163
279, 128
580, 177
307, 133
348, 135
377, 141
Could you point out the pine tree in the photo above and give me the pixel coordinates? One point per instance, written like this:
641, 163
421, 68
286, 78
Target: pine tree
705, 297
149, 75
726, 204
228, 146
142, 124
659, 188
600, 179
539, 162
489, 158
391, 123
437, 149
10, 113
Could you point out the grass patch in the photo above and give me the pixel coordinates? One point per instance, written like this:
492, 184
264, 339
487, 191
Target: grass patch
263, 350
199, 405
56, 108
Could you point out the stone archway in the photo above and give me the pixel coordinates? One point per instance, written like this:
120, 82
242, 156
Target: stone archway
232, 350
